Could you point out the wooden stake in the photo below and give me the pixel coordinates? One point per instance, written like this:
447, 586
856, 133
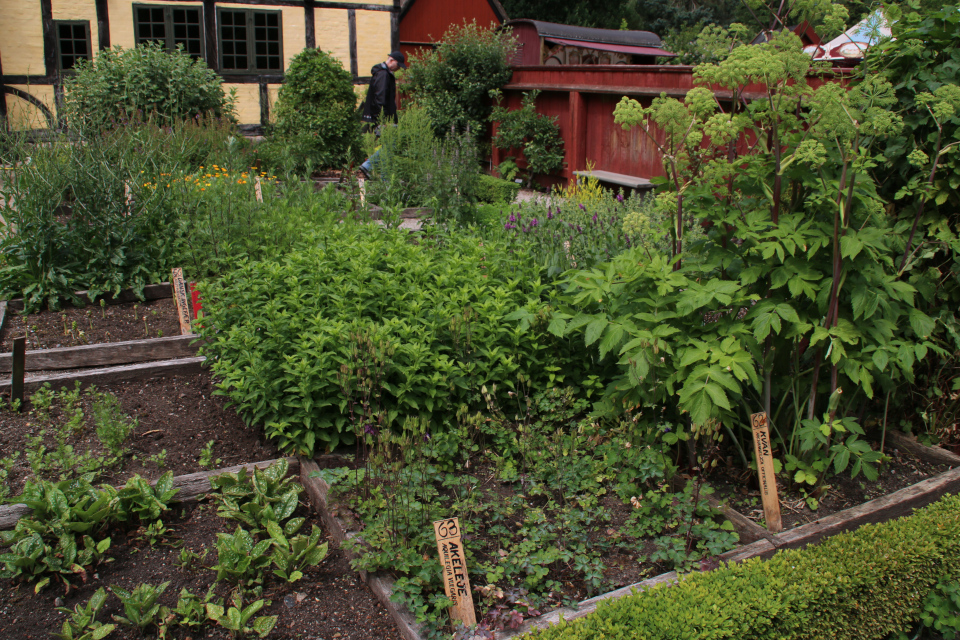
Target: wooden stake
19, 366
180, 295
456, 583
256, 187
768, 479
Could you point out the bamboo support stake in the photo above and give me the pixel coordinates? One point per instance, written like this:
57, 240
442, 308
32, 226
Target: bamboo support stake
19, 366
180, 295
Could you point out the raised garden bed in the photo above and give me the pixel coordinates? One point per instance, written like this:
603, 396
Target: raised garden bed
327, 602
758, 542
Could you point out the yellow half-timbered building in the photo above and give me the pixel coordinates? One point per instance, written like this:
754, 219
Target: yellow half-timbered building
248, 42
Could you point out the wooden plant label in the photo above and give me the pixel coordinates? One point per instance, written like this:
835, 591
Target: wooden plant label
257, 188
180, 295
455, 579
768, 479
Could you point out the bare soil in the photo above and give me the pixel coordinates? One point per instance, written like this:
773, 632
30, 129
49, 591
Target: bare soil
741, 491
177, 415
93, 324
328, 602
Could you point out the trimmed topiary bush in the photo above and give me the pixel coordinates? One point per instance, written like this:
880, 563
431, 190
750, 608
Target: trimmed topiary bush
143, 82
495, 190
316, 112
867, 584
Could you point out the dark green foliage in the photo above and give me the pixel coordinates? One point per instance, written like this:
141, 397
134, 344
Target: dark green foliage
495, 190
291, 338
123, 84
862, 585
268, 495
316, 112
924, 57
416, 168
452, 82
534, 134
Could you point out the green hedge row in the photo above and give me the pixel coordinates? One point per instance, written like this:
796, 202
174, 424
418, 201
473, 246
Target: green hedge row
866, 584
495, 190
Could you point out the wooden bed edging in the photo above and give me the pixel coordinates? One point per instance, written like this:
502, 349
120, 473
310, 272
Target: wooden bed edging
150, 292
191, 485
107, 353
140, 371
380, 583
933, 455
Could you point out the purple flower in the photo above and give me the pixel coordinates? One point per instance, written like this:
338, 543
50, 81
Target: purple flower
549, 214
369, 429
533, 223
509, 226
579, 230
582, 208
512, 218
619, 197
594, 217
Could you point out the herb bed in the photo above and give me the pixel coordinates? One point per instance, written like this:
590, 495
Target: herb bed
326, 602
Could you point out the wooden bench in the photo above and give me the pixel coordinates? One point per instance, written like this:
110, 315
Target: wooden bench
622, 179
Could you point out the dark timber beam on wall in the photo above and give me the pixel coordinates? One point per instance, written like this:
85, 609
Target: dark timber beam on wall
103, 24
4, 126
210, 29
309, 25
23, 95
264, 103
352, 26
395, 26
49, 37
322, 4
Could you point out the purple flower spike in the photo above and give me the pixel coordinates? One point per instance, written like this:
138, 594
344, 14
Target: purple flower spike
582, 208
619, 197
533, 222
594, 217
549, 214
369, 429
512, 218
579, 230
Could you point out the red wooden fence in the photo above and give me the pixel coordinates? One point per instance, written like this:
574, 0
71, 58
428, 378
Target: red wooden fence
582, 99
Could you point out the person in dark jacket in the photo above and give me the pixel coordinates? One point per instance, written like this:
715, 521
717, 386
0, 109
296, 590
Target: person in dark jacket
382, 94
381, 100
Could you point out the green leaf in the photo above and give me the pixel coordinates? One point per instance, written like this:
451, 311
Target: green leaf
594, 329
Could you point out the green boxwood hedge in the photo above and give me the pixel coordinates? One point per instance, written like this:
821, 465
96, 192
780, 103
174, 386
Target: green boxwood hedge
870, 583
495, 190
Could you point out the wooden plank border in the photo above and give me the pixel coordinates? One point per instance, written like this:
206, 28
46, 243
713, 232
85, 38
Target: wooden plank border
933, 455
140, 371
192, 486
380, 583
108, 353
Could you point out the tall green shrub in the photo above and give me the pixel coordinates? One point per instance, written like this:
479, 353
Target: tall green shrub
453, 81
144, 81
536, 135
316, 111
367, 327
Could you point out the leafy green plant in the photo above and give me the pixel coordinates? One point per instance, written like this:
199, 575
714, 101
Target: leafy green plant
189, 613
145, 501
113, 426
415, 168
941, 610
82, 624
240, 558
451, 81
535, 135
496, 191
120, 83
154, 532
237, 618
206, 460
440, 308
292, 554
268, 495
316, 112
140, 607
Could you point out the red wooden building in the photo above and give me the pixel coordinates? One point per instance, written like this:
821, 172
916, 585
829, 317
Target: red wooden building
423, 22
582, 98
